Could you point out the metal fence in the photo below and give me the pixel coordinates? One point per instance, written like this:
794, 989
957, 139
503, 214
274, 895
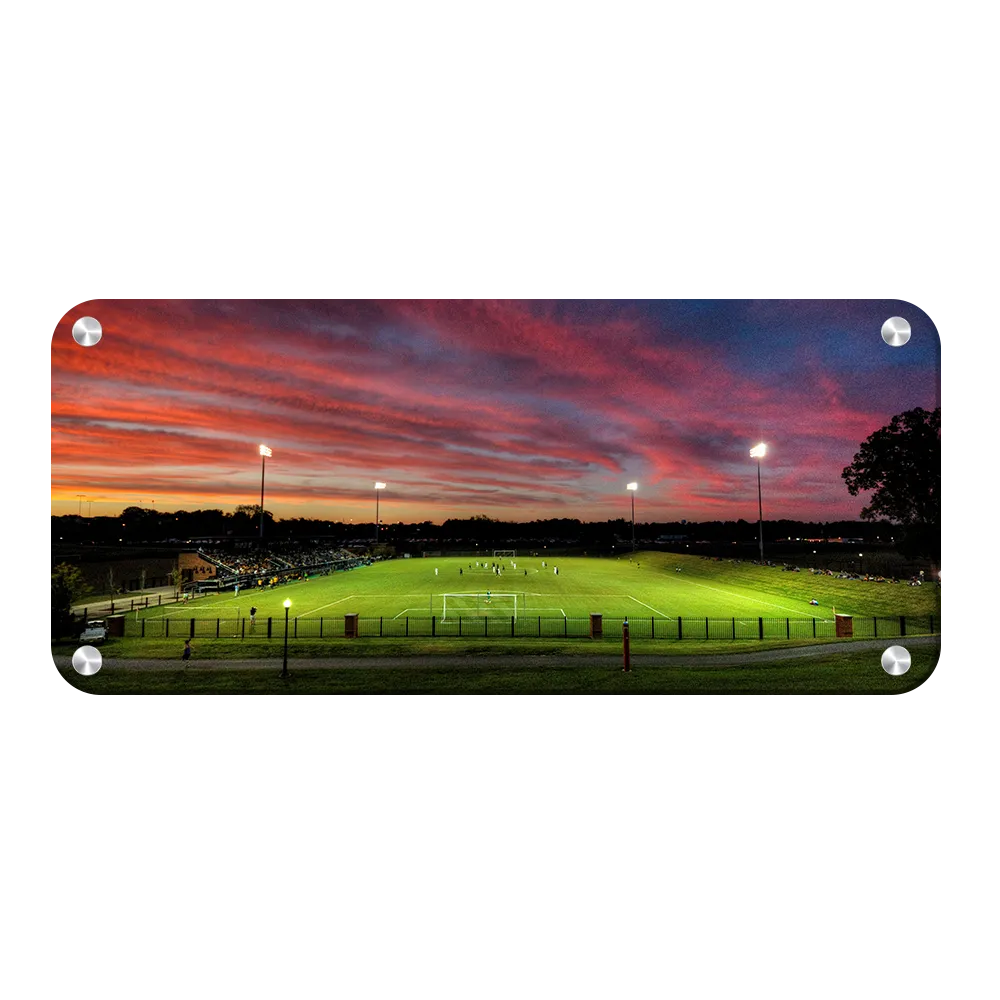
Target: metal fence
526, 626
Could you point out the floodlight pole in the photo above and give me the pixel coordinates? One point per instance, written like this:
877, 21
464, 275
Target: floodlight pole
760, 514
632, 487
378, 486
265, 453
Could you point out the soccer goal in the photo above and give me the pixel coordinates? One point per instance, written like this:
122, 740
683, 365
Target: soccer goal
484, 603
505, 553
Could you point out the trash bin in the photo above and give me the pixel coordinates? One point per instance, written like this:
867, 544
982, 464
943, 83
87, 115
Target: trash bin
845, 626
596, 627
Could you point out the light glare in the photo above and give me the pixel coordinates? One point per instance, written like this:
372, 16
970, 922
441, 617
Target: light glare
632, 486
265, 451
380, 486
759, 451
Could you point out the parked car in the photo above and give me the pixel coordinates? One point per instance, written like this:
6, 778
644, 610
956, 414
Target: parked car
96, 631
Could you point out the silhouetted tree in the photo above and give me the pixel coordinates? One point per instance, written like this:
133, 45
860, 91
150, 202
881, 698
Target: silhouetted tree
901, 465
67, 585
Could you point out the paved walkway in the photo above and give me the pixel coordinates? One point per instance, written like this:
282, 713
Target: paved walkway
496, 660
100, 607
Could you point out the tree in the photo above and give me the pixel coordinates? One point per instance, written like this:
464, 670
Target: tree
67, 586
901, 465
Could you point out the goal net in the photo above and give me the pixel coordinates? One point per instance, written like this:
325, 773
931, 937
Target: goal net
483, 603
505, 553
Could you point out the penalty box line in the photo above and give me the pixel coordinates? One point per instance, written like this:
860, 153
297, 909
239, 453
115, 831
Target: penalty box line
651, 608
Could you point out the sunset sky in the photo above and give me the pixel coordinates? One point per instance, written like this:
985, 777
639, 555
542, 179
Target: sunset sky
518, 410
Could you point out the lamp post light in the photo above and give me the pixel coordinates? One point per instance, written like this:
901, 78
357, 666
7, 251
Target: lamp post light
632, 487
284, 662
758, 452
378, 486
265, 454
861, 556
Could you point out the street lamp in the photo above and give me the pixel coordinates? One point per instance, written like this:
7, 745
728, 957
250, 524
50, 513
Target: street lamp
758, 452
632, 487
265, 454
284, 663
861, 556
378, 486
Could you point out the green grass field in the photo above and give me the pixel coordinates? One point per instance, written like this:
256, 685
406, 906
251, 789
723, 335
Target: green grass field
646, 588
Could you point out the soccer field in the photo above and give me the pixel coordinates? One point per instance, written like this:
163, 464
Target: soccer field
657, 587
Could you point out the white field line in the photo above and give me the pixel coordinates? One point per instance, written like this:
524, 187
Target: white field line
756, 600
330, 605
651, 608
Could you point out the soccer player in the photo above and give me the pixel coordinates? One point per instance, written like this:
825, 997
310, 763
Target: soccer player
253, 617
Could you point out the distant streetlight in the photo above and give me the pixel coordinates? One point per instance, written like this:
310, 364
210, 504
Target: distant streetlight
79, 509
378, 486
265, 454
632, 487
758, 452
284, 663
861, 556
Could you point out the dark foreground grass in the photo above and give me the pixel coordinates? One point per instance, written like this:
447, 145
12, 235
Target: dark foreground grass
839, 671
305, 649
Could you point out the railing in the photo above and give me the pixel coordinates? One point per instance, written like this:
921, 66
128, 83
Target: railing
527, 627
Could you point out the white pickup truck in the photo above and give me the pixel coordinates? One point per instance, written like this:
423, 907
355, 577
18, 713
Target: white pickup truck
96, 631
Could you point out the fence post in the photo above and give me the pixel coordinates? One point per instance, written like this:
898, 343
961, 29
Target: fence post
144, 628
734, 628
433, 624
166, 630
269, 628
295, 628
512, 626
680, 627
814, 628
407, 621
243, 628
380, 626
625, 651
760, 628
788, 628
706, 628
539, 626
902, 625
217, 622
159, 599
321, 626
192, 628
486, 626
652, 626
566, 626
875, 625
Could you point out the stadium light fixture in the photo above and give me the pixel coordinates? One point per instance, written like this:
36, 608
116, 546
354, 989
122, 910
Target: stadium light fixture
265, 454
284, 662
632, 487
759, 451
378, 486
